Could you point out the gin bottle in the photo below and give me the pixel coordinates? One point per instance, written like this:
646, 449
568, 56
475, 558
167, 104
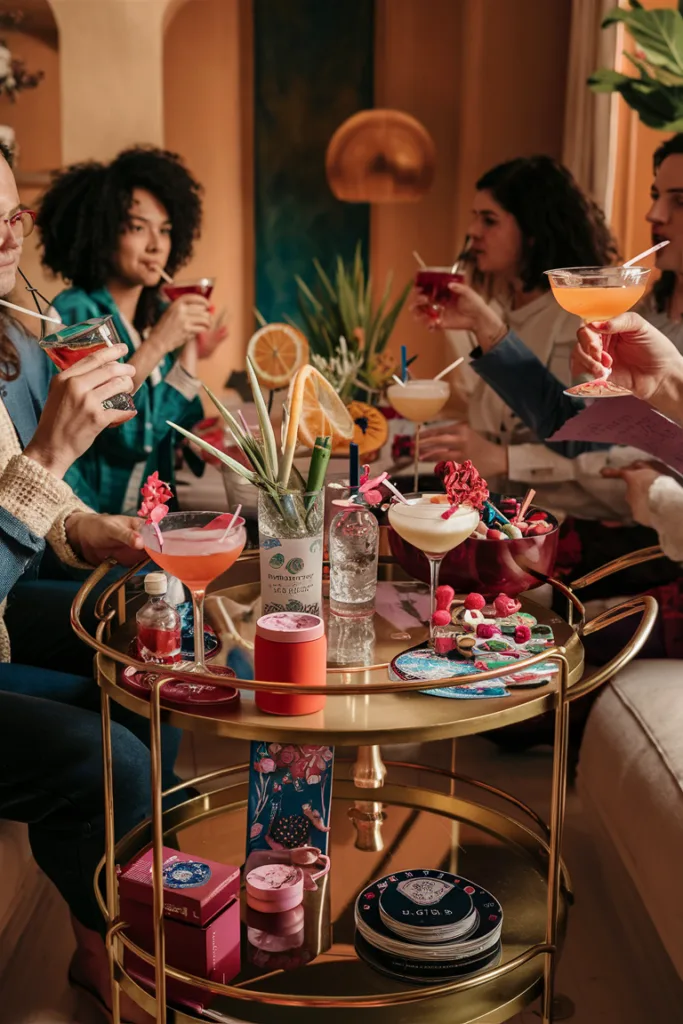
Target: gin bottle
158, 624
354, 540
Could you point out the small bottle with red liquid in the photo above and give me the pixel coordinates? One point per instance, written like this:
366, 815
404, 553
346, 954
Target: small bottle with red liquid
158, 624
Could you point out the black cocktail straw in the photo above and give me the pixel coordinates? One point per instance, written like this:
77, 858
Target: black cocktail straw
354, 467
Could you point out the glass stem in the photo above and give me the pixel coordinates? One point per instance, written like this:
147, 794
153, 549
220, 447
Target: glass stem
434, 566
198, 609
416, 482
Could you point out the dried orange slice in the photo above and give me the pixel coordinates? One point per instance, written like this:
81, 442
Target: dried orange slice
370, 429
277, 351
317, 409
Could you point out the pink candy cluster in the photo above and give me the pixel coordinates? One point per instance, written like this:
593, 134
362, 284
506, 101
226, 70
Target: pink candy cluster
504, 606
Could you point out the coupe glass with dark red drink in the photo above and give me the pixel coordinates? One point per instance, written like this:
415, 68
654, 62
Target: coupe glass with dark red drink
433, 282
176, 289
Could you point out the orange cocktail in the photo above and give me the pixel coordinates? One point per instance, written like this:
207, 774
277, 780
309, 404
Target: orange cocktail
595, 294
197, 547
594, 304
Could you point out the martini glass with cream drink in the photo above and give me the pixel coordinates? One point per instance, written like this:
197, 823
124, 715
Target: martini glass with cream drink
428, 522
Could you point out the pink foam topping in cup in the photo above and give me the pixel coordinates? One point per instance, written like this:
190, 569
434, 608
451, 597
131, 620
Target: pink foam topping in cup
273, 876
288, 621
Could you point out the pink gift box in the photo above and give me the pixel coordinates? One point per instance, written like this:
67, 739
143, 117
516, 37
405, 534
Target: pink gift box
202, 919
195, 889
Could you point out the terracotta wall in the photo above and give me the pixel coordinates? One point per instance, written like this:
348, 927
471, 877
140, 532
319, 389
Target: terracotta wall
487, 78
207, 119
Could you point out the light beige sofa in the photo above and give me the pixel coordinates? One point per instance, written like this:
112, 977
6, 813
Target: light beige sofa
630, 779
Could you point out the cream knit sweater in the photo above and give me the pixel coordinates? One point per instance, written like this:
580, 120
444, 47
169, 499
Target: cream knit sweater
36, 497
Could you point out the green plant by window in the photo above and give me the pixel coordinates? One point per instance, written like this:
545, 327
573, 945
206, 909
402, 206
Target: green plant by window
657, 93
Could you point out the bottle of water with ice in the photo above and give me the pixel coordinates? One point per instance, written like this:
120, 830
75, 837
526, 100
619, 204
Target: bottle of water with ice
354, 542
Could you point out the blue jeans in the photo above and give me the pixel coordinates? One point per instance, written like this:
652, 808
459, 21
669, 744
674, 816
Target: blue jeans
51, 779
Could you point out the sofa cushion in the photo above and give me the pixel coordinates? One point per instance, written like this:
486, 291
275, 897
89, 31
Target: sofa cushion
631, 767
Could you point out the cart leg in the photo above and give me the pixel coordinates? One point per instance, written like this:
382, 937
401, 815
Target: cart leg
559, 792
157, 848
110, 856
369, 771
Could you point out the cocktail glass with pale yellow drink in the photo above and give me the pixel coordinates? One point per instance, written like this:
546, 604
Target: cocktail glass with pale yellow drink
596, 294
196, 547
419, 520
419, 401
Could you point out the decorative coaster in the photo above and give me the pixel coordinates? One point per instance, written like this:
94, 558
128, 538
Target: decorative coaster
484, 924
425, 906
424, 973
422, 663
182, 692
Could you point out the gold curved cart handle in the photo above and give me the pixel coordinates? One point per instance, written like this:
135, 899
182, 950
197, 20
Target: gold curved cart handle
648, 608
624, 562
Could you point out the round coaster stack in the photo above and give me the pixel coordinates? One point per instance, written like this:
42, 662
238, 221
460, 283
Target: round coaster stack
428, 926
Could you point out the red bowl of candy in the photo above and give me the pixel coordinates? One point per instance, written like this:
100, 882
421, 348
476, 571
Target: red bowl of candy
489, 567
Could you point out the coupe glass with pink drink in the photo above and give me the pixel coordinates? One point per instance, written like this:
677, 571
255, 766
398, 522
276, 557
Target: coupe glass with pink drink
196, 547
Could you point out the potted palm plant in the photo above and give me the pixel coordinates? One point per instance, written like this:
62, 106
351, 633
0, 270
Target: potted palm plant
347, 332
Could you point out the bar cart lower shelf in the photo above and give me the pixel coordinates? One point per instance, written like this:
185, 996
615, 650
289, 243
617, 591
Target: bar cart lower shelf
424, 818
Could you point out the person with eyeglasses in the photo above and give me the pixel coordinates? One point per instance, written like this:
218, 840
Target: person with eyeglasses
50, 727
110, 231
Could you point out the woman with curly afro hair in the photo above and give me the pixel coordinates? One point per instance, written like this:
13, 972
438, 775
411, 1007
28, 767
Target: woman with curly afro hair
109, 230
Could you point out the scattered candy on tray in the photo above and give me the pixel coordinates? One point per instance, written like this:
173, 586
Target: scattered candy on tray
485, 630
522, 634
506, 606
444, 598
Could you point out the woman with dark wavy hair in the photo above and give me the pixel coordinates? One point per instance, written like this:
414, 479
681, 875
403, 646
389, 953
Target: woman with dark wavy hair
529, 215
110, 231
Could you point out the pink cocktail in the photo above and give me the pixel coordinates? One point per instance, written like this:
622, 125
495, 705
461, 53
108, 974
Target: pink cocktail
196, 547
433, 282
201, 286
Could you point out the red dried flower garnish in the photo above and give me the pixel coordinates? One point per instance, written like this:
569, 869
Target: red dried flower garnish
463, 484
155, 494
369, 488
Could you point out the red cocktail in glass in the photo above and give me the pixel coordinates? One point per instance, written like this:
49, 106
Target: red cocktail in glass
433, 282
71, 344
176, 289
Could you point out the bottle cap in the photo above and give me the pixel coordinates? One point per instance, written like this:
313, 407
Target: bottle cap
155, 583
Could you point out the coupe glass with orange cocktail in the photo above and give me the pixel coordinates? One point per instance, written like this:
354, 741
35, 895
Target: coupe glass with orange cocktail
596, 294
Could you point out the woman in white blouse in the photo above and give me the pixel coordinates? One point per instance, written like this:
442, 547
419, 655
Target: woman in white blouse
528, 216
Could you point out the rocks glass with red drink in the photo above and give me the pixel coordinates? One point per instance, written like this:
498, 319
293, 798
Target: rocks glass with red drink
433, 282
71, 344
